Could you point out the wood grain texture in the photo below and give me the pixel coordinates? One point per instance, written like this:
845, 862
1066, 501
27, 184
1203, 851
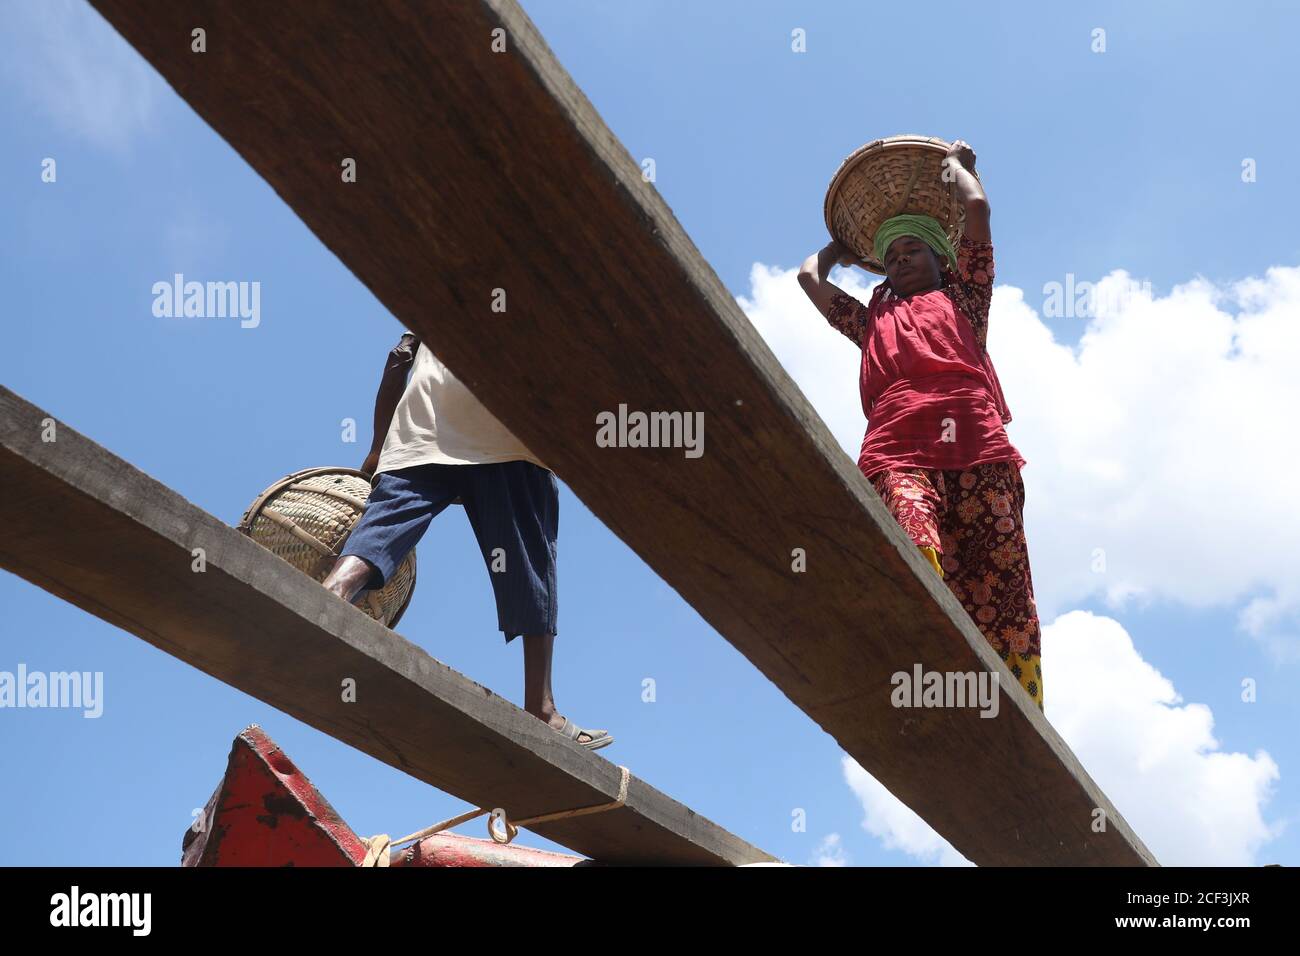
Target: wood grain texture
94, 530
481, 170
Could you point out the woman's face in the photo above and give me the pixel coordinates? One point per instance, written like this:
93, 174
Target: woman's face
912, 266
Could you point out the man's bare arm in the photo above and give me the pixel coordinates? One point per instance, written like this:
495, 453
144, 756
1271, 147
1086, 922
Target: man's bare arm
391, 386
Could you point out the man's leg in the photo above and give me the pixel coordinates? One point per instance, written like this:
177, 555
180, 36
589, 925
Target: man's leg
401, 505
348, 576
538, 698
513, 508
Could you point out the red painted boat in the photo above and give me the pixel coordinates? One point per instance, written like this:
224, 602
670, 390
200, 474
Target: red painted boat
265, 812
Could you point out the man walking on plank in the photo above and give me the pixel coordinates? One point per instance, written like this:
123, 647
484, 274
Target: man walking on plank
435, 443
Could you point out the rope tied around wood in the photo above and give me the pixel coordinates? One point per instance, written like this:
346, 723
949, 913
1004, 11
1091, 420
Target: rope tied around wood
378, 847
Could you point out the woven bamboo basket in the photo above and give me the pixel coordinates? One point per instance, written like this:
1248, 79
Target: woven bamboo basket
886, 178
306, 518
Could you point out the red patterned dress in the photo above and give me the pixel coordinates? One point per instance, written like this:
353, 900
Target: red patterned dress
937, 452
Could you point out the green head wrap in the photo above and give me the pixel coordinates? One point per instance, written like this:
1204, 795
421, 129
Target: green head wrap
925, 228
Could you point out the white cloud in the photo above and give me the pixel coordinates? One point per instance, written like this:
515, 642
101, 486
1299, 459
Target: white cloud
1151, 753
68, 62
830, 852
1159, 447
894, 824
822, 361
1160, 444
1154, 755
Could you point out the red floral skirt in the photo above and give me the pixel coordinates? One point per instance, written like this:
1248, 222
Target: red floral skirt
971, 519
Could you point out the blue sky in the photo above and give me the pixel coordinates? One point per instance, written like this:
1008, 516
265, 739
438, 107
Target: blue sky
1159, 433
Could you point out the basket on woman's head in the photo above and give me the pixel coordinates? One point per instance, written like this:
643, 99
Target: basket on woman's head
886, 178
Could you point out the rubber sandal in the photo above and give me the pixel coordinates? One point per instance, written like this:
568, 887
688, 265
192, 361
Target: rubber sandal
599, 738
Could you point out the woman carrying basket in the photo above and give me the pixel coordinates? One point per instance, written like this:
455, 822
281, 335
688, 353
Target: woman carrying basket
936, 449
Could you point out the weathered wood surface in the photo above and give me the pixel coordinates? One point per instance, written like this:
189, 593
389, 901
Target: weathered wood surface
94, 530
480, 170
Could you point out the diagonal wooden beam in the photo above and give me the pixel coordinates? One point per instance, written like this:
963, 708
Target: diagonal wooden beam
90, 528
480, 171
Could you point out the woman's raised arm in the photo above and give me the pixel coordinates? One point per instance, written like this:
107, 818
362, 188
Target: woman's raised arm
959, 168
842, 311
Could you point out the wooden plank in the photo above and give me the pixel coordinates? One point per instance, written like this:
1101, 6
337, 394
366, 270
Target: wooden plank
92, 529
480, 171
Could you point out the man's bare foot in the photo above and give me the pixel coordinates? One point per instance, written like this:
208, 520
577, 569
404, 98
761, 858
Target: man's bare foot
349, 575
